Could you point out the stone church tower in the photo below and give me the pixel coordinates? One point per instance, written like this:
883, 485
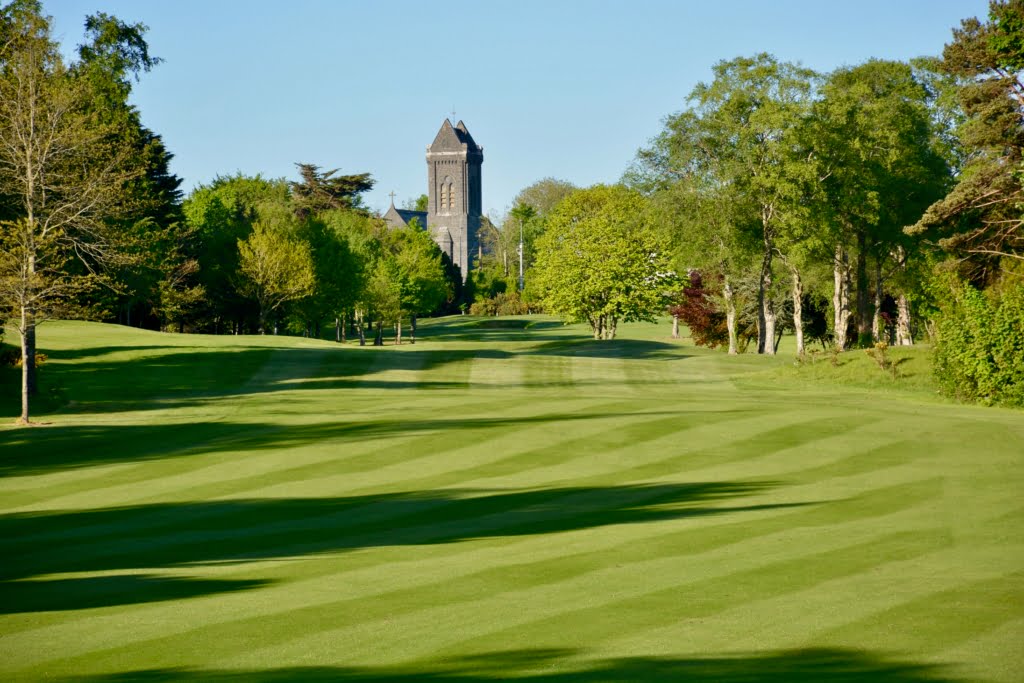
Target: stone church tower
456, 201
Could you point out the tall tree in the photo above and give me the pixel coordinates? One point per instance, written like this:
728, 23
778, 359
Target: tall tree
878, 166
64, 166
980, 221
740, 133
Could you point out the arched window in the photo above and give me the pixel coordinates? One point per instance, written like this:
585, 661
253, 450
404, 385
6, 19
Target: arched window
451, 197
445, 192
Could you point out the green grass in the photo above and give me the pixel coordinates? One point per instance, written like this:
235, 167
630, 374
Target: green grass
503, 499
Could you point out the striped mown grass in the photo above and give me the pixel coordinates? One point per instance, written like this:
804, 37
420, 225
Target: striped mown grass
500, 500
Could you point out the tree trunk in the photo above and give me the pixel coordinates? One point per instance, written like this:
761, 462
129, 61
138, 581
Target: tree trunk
730, 316
398, 332
412, 328
863, 293
378, 339
798, 311
675, 327
339, 329
761, 321
28, 362
877, 329
362, 329
903, 335
841, 296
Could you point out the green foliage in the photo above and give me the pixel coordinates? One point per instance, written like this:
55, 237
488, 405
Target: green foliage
276, 268
979, 350
502, 303
979, 221
320, 191
601, 261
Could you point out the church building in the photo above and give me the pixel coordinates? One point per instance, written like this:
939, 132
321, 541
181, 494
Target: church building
455, 198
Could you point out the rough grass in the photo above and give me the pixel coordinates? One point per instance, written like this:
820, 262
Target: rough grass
501, 500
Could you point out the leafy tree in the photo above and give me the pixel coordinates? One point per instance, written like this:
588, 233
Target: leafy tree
544, 195
980, 221
219, 216
601, 260
64, 167
878, 163
320, 191
276, 269
421, 203
709, 230
740, 136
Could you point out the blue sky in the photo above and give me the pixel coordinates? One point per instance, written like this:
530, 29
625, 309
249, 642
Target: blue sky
549, 88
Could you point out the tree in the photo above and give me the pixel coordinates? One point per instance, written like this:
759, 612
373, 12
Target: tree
423, 284
276, 269
421, 203
980, 220
601, 261
320, 191
740, 138
544, 195
219, 216
523, 213
64, 168
875, 148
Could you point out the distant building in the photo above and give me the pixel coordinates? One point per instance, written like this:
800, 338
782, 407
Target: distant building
455, 198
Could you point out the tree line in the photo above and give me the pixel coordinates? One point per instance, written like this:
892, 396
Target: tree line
869, 206
876, 204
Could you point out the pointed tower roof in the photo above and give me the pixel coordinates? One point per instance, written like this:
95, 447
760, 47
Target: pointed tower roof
454, 139
464, 136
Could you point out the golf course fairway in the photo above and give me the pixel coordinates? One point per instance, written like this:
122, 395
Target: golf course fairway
504, 499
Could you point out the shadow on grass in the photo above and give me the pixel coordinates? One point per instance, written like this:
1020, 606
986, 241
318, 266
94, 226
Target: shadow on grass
167, 535
88, 380
103, 591
535, 666
46, 449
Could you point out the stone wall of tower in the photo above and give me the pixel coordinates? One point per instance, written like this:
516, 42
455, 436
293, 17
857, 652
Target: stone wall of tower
455, 194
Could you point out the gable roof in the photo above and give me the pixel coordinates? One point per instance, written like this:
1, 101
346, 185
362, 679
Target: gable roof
397, 218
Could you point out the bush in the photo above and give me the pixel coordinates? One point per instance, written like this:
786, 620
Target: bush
698, 311
503, 303
979, 350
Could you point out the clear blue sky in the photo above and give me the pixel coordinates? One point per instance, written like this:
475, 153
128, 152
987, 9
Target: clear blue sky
549, 88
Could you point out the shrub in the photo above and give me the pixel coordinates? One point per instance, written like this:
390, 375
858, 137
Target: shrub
698, 311
503, 303
979, 350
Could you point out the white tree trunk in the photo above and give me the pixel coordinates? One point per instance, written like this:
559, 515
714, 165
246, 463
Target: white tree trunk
28, 362
398, 332
675, 327
903, 335
730, 316
798, 311
841, 296
877, 328
770, 317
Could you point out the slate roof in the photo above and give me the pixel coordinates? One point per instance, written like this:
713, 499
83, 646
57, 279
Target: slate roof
396, 218
454, 139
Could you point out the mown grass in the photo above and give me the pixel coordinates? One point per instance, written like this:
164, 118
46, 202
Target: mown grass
503, 499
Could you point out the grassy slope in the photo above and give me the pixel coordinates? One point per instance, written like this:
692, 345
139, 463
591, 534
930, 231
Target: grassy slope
502, 502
